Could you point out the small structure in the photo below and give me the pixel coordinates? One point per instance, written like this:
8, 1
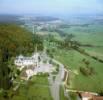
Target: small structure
88, 96
29, 73
97, 98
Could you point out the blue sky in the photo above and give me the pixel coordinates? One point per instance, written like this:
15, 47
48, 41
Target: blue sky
51, 6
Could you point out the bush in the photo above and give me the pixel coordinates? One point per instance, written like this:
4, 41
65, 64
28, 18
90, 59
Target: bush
87, 71
101, 93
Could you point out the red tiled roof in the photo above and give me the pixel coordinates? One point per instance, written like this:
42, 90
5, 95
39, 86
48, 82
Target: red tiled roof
86, 94
97, 97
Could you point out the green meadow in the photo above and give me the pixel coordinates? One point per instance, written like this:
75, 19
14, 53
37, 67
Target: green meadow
36, 88
73, 60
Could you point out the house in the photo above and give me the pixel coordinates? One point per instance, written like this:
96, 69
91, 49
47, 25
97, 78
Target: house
86, 96
89, 96
97, 98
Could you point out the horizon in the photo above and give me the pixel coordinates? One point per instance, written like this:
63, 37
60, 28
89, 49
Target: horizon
51, 7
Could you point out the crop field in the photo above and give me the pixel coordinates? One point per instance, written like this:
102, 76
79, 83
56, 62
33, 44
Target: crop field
93, 34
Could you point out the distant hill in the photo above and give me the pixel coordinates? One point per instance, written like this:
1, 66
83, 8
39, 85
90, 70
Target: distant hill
10, 19
21, 19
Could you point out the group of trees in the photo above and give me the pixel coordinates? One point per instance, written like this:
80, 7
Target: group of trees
86, 70
14, 40
67, 41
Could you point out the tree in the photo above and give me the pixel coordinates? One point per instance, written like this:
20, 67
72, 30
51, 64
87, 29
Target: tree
37, 42
68, 40
69, 37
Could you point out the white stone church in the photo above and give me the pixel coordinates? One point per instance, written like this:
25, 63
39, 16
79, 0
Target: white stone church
22, 61
32, 65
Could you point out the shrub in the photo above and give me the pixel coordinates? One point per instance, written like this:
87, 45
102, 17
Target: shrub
87, 71
101, 93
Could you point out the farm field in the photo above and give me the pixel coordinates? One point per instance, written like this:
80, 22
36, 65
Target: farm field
89, 35
95, 51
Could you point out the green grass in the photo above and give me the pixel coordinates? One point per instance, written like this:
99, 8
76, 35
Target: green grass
37, 88
93, 34
69, 58
95, 51
62, 96
73, 60
86, 35
90, 35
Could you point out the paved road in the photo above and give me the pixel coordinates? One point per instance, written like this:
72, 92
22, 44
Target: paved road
55, 84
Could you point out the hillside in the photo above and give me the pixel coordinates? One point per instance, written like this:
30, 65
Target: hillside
14, 40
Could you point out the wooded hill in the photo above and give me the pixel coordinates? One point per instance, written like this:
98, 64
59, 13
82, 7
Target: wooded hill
14, 40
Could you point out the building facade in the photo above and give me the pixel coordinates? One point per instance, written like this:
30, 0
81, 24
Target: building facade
22, 61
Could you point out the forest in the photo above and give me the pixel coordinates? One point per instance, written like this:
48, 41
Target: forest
14, 40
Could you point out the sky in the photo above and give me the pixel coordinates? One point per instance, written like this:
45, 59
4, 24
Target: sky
49, 7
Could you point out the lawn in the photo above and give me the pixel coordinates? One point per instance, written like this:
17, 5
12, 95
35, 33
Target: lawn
33, 92
37, 88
